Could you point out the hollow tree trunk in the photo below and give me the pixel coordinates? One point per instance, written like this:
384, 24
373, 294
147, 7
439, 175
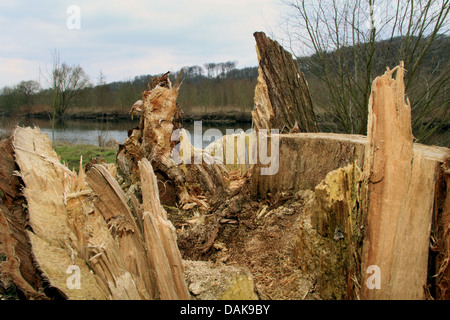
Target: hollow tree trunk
282, 97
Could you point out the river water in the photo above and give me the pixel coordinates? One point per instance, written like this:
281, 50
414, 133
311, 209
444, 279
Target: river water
98, 132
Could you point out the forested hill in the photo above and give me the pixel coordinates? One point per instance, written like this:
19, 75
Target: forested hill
388, 53
219, 88
218, 85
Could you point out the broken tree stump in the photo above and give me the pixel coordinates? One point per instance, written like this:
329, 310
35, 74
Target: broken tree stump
379, 219
304, 161
401, 181
282, 97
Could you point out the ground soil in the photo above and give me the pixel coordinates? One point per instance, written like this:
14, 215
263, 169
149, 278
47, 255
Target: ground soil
246, 234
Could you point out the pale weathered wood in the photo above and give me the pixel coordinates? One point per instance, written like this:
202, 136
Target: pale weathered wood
328, 247
113, 206
154, 140
84, 220
46, 183
305, 159
160, 237
400, 195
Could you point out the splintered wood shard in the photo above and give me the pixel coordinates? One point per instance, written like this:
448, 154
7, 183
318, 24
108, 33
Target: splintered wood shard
84, 239
161, 239
400, 193
282, 97
46, 182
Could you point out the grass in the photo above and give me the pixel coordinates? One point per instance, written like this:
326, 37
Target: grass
70, 154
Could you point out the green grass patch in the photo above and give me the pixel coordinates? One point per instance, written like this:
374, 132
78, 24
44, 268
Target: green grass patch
70, 154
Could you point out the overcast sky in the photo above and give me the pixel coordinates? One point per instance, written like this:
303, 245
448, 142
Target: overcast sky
128, 38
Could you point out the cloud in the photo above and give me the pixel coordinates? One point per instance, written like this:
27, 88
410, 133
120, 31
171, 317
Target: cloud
130, 38
18, 70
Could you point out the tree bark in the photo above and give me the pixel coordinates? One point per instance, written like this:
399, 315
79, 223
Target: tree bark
282, 97
439, 267
17, 266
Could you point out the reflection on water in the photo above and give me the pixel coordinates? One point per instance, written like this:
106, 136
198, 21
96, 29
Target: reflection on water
91, 131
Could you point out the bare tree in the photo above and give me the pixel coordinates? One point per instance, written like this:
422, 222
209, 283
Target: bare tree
102, 90
210, 68
230, 65
19, 97
351, 42
65, 83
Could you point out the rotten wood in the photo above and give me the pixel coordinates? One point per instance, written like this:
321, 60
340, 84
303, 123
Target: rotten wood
440, 271
328, 247
154, 140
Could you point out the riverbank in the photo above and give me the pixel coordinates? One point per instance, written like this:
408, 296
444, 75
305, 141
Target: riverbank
70, 154
222, 115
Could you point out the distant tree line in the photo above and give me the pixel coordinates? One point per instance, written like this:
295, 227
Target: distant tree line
66, 89
339, 87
